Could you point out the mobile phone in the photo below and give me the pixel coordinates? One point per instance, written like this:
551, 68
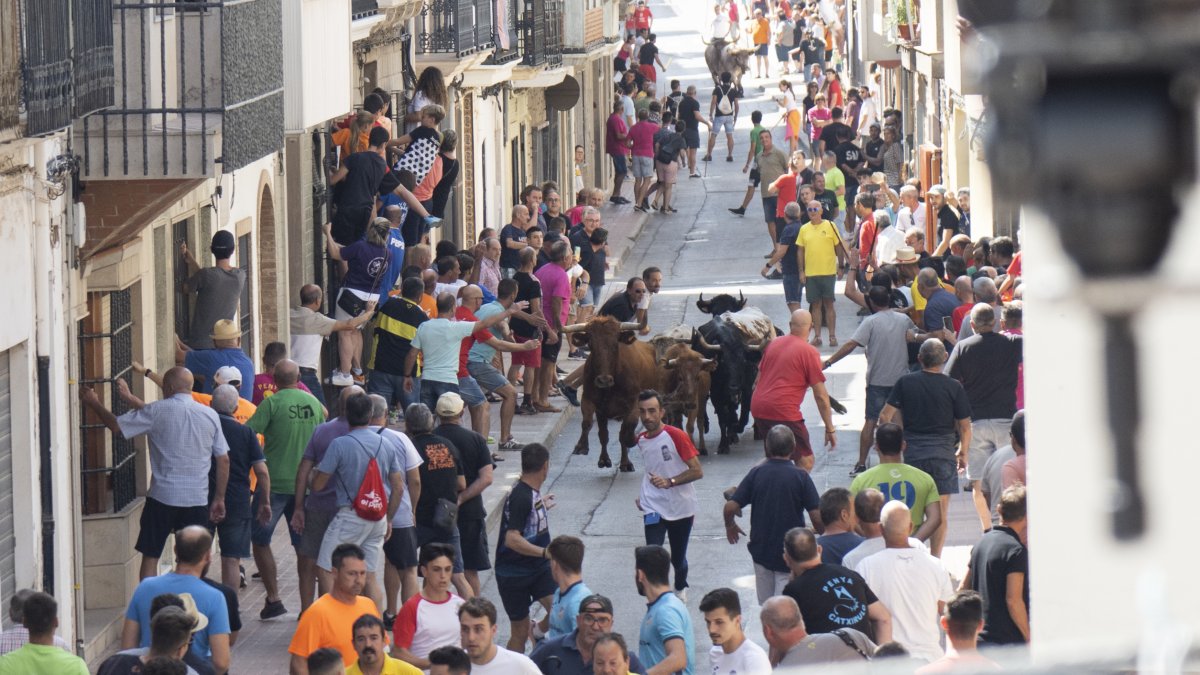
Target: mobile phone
948, 323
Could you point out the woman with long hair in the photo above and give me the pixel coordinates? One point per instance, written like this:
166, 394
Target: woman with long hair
384, 120
431, 88
366, 261
832, 88
791, 114
356, 137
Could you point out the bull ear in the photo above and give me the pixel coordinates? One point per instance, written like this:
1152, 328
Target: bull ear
628, 337
579, 339
708, 364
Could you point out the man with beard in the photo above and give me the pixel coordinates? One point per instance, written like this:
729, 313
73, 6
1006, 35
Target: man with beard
370, 642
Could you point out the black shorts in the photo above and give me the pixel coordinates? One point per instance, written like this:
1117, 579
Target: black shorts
350, 223
550, 351
692, 137
518, 593
473, 543
160, 521
400, 549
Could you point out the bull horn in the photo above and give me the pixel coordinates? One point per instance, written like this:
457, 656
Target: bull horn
574, 328
741, 298
630, 325
705, 362
756, 346
704, 344
671, 363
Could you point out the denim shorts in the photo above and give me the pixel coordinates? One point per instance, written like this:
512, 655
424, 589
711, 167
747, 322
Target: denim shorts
877, 397
281, 507
722, 122
487, 377
793, 292
471, 394
391, 387
234, 536
619, 164
643, 167
943, 471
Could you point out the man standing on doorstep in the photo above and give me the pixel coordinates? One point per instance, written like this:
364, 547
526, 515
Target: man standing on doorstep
286, 422
193, 553
616, 144
897, 480
668, 500
217, 288
522, 561
731, 653
438, 341
999, 571
348, 461
666, 639
987, 364
310, 328
185, 442
778, 494
937, 417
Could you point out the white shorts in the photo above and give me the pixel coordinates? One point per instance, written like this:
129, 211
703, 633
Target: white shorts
348, 528
722, 122
768, 583
643, 167
341, 314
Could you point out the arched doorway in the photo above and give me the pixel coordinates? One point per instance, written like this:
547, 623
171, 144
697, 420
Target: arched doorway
268, 269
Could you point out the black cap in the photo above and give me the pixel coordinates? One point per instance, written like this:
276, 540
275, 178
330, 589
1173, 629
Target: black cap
222, 244
605, 605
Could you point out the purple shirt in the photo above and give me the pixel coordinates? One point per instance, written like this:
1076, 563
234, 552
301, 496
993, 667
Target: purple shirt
322, 436
613, 143
642, 135
555, 284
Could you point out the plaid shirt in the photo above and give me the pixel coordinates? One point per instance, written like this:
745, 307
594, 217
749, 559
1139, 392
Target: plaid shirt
184, 437
14, 638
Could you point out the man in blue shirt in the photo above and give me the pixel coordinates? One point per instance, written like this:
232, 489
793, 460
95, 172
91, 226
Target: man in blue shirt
939, 303
226, 351
573, 650
566, 566
666, 637
193, 552
778, 493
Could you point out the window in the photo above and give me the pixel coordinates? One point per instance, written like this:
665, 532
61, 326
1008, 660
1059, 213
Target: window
245, 318
183, 300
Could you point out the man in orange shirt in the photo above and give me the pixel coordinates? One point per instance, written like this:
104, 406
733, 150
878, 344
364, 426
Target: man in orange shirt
329, 622
762, 40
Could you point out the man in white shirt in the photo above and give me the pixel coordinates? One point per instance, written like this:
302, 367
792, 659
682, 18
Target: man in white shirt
911, 583
888, 239
912, 212
310, 328
477, 622
731, 653
868, 504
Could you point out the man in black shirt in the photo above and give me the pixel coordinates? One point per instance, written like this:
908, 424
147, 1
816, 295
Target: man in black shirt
512, 240
935, 409
623, 305
442, 478
522, 562
999, 571
360, 178
396, 322
948, 220
689, 114
988, 364
831, 596
527, 326
827, 141
477, 467
828, 198
849, 158
648, 56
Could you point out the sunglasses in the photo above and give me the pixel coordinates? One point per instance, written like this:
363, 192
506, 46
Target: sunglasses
813, 210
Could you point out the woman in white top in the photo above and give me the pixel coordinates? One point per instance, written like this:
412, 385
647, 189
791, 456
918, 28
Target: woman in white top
786, 99
431, 88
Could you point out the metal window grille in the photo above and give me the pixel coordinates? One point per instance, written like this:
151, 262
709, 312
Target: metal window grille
245, 309
109, 479
183, 299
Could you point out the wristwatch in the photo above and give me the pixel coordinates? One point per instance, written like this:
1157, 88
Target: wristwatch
671, 481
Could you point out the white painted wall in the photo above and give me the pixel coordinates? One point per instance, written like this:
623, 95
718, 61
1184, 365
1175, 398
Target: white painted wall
316, 59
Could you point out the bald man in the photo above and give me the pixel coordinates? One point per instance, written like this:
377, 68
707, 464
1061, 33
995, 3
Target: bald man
512, 240
790, 366
183, 436
791, 644
911, 583
310, 328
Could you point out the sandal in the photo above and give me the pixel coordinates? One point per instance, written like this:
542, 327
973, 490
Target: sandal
546, 408
816, 342
832, 341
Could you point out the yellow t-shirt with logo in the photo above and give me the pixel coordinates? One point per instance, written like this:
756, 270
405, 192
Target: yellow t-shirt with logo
390, 667
819, 242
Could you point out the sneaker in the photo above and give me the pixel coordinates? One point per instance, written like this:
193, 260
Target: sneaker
340, 379
739, 211
359, 376
432, 222
858, 468
491, 440
511, 444
272, 610
526, 409
682, 595
569, 393
775, 275
242, 576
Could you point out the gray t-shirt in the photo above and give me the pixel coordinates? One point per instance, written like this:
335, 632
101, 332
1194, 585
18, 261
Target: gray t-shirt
991, 483
409, 459
827, 648
883, 334
347, 459
217, 293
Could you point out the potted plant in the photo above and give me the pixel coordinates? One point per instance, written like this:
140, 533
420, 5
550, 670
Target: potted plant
903, 25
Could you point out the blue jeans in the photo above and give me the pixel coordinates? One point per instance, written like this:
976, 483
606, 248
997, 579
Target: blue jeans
431, 390
312, 379
391, 387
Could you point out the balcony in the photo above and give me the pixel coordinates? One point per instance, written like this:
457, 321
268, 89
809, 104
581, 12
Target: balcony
316, 57
588, 28
870, 32
454, 29
198, 83
507, 32
41, 76
541, 33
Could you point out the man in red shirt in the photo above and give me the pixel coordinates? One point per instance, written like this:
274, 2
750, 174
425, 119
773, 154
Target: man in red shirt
790, 366
965, 293
643, 18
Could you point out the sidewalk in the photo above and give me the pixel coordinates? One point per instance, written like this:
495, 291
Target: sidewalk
262, 645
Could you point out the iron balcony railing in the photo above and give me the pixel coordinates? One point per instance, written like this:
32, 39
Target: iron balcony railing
507, 31
360, 9
457, 27
196, 82
541, 33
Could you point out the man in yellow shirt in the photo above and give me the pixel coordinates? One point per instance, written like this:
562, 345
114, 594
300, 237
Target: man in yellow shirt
821, 255
371, 643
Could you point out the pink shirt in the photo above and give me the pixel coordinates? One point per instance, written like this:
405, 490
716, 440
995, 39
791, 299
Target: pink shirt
613, 143
642, 135
555, 284
816, 113
264, 386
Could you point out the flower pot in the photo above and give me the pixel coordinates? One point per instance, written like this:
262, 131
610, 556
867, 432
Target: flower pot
905, 31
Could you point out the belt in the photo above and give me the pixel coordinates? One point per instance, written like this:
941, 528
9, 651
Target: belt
310, 371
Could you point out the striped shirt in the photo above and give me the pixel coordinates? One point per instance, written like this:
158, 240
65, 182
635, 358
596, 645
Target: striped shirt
184, 437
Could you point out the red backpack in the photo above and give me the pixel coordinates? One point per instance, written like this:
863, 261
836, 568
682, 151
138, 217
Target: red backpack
370, 503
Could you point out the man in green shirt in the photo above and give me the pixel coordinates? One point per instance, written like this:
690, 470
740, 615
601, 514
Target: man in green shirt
902, 482
286, 421
40, 656
772, 163
750, 167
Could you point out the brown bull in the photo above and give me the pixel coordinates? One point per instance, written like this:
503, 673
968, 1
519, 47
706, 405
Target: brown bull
722, 56
685, 382
617, 369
